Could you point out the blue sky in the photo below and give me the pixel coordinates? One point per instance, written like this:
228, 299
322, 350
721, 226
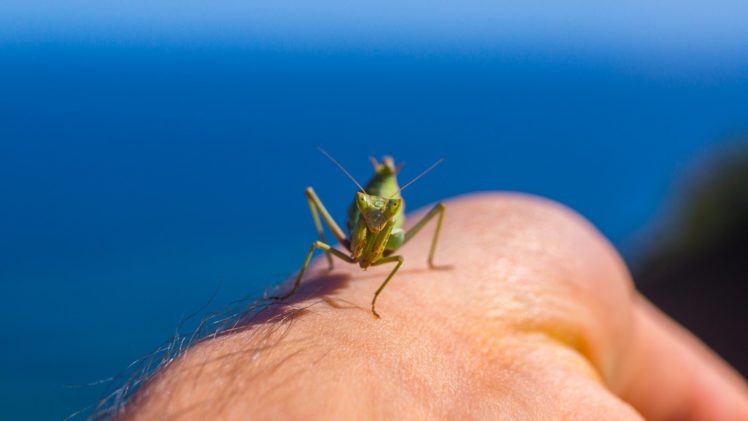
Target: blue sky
638, 24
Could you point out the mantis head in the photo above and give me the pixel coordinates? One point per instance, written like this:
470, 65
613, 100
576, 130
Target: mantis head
377, 210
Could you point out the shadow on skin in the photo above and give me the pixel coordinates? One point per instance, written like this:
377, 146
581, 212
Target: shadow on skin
401, 272
320, 286
315, 289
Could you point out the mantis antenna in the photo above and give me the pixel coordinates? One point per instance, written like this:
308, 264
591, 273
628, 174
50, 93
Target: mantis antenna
426, 171
334, 161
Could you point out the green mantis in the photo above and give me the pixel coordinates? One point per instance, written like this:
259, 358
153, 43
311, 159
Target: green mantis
375, 221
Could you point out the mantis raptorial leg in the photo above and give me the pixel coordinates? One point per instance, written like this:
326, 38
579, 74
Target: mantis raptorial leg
382, 261
316, 245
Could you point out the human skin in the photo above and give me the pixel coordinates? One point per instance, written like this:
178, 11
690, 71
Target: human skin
536, 318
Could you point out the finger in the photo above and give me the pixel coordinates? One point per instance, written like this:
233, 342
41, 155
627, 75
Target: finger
671, 375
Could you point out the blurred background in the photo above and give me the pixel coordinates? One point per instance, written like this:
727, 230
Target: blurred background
153, 154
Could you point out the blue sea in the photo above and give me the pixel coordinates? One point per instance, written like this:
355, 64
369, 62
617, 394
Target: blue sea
139, 179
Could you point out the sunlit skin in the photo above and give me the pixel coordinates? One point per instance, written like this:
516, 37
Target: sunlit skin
374, 223
538, 319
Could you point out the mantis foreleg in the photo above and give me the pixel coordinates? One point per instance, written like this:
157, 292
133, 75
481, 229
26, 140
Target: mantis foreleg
438, 209
317, 245
390, 259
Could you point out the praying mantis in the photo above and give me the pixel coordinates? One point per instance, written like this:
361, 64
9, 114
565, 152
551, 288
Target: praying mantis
375, 220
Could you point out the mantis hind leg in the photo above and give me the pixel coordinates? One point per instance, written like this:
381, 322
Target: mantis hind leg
316, 245
318, 209
384, 260
436, 210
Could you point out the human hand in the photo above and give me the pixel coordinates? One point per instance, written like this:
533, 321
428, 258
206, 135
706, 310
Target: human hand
536, 319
